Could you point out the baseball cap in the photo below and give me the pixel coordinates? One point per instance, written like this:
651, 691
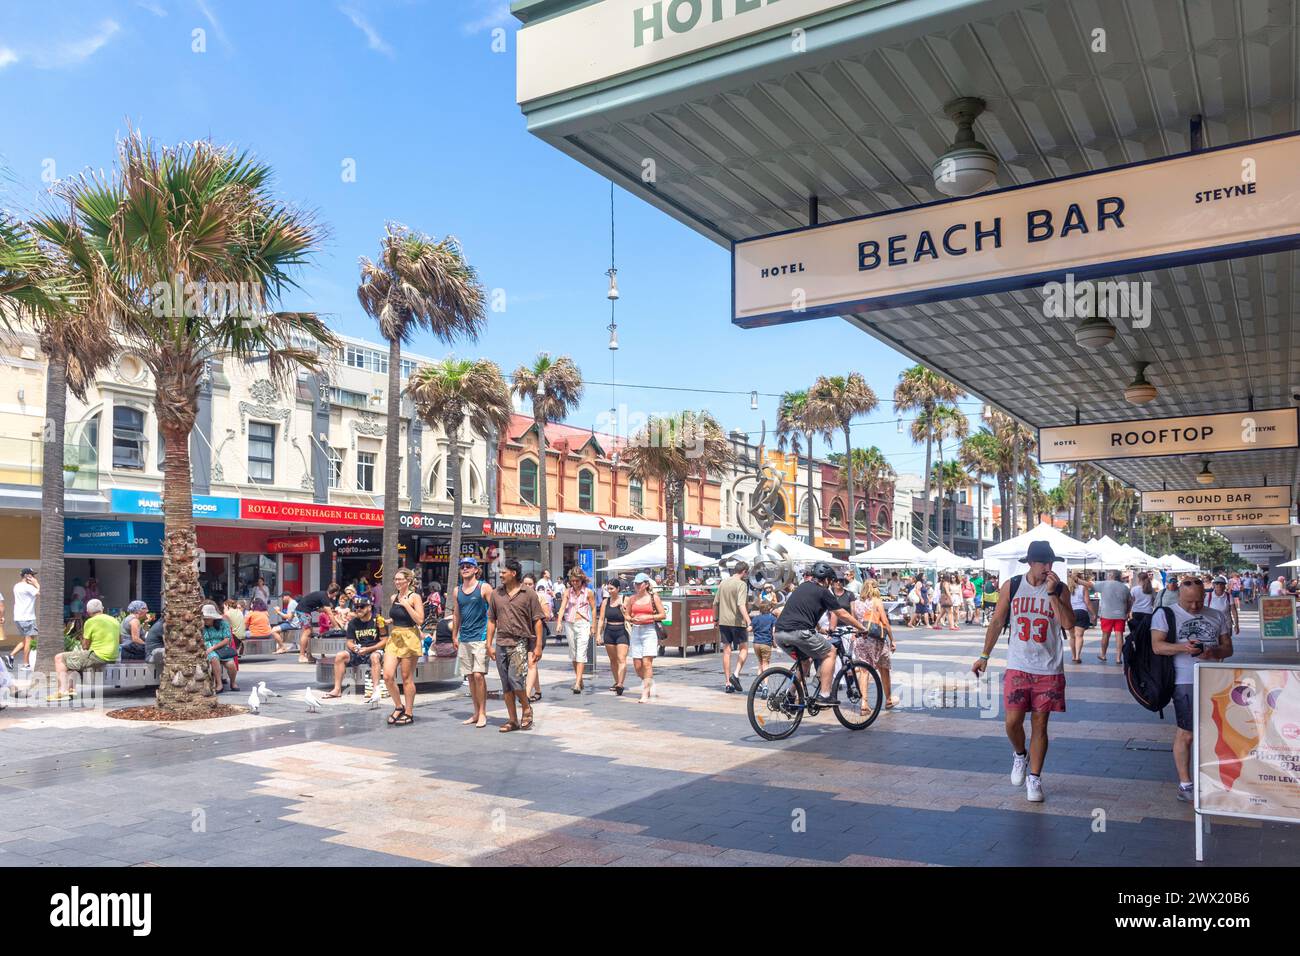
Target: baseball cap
1039, 551
470, 562
1220, 580
210, 612
361, 601
642, 578
26, 571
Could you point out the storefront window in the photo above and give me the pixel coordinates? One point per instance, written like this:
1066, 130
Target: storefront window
251, 567
527, 553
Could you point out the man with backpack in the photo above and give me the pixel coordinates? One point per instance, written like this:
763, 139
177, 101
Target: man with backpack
1035, 607
1188, 633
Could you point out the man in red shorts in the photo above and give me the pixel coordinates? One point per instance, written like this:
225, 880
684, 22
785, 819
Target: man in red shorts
1037, 606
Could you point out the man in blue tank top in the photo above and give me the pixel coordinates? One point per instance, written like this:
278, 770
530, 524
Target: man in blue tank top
469, 635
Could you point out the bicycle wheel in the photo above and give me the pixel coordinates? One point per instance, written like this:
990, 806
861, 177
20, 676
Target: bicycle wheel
776, 703
855, 709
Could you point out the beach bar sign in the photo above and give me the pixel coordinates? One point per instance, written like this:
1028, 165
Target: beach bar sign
1202, 499
1160, 437
1220, 203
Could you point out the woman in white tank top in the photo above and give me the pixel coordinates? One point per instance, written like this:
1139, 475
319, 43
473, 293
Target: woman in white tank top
1084, 612
1219, 598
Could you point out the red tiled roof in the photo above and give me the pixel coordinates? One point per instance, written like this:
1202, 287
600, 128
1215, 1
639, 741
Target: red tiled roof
557, 433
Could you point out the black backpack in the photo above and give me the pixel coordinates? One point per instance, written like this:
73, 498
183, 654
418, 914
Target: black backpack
1015, 586
1150, 676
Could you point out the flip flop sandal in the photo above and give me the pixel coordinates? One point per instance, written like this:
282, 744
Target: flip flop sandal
507, 727
395, 716
404, 721
330, 696
535, 698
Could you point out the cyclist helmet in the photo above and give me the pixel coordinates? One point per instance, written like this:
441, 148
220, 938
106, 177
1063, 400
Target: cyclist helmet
822, 571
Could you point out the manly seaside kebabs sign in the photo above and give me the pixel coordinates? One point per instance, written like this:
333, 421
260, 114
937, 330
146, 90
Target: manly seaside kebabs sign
1231, 201
1159, 437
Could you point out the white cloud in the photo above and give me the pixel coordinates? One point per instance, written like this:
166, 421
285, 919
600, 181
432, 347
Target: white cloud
7, 56
216, 24
154, 8
373, 39
70, 52
496, 14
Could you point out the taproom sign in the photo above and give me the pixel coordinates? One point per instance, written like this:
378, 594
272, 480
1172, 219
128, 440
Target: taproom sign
1156, 437
1236, 517
1202, 499
1195, 207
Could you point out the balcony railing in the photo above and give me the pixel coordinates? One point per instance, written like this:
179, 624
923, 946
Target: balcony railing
21, 460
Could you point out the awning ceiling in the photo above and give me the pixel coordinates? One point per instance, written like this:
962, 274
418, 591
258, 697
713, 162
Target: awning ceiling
858, 125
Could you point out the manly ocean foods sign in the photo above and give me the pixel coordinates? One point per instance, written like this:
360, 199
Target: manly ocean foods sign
1214, 204
1155, 437
1278, 496
599, 41
1233, 518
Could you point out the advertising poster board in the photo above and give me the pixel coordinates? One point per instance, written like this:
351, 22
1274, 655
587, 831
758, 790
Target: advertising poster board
1246, 745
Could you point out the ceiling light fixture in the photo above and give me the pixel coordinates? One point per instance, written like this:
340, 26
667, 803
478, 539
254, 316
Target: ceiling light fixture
1140, 391
967, 166
1094, 332
1205, 477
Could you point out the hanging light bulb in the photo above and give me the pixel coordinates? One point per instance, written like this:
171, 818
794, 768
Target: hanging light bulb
753, 401
1094, 332
1205, 477
900, 424
613, 337
1140, 391
613, 284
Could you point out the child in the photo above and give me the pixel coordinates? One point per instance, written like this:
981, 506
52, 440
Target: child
762, 624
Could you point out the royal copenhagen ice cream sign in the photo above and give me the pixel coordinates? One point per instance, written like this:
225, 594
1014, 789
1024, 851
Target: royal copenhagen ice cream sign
1214, 204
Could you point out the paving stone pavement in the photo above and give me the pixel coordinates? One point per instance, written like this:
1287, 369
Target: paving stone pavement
682, 780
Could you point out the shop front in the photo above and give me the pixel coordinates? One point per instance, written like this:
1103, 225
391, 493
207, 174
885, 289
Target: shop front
235, 562
518, 539
609, 538
117, 561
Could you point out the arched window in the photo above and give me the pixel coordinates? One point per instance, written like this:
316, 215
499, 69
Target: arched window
586, 490
635, 496
860, 516
779, 509
837, 515
474, 484
528, 481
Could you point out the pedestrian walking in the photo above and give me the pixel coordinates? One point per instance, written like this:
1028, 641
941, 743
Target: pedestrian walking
876, 646
1036, 605
644, 610
577, 611
1222, 600
514, 617
26, 591
731, 611
469, 623
405, 615
611, 633
1115, 602
1084, 611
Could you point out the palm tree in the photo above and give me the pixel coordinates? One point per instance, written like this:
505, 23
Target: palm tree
417, 284
203, 215
797, 422
837, 400
450, 394
72, 337
948, 475
872, 469
554, 386
1015, 461
979, 456
934, 424
673, 449
919, 390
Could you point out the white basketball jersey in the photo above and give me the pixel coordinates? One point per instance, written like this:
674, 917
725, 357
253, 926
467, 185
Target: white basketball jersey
1036, 646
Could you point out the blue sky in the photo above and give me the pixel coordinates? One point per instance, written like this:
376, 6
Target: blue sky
413, 93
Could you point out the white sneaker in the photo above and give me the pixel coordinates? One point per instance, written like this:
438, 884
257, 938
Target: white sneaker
1033, 790
1019, 764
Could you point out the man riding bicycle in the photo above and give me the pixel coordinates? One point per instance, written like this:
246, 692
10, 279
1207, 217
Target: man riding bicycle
796, 628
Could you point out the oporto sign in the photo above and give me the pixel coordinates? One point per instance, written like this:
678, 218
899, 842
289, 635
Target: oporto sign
1158, 437
1214, 204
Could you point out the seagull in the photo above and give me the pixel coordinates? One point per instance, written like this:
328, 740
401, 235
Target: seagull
374, 700
254, 705
264, 691
313, 702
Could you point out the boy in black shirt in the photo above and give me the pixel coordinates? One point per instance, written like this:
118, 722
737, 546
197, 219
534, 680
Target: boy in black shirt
367, 635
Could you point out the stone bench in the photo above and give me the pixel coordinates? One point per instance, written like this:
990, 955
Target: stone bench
432, 670
326, 646
256, 648
133, 675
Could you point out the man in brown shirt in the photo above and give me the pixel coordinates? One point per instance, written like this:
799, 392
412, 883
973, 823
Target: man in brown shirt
514, 618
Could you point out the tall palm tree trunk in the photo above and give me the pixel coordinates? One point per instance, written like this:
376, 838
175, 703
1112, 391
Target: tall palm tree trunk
49, 620
392, 450
853, 511
1078, 502
812, 535
1015, 480
925, 520
544, 543
670, 515
1104, 519
457, 507
185, 685
979, 518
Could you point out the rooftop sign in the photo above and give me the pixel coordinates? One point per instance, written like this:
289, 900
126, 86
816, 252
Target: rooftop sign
1158, 437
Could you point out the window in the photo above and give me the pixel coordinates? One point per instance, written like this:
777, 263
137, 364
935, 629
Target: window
779, 509
336, 467
473, 485
837, 515
635, 496
261, 453
365, 471
162, 449
369, 359
528, 481
726, 506
860, 516
451, 484
343, 396
128, 437
408, 368
586, 490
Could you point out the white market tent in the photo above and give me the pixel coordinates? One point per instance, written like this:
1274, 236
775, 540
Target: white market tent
944, 560
894, 553
653, 555
1006, 554
1172, 562
1113, 555
1139, 558
794, 549
1289, 564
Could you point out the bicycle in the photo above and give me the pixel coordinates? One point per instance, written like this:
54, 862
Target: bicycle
779, 697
